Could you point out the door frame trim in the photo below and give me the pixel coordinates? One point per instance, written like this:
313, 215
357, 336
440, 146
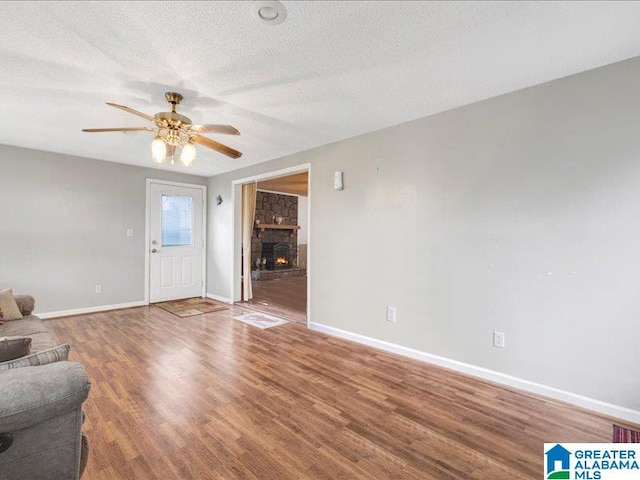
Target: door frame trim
236, 223
147, 236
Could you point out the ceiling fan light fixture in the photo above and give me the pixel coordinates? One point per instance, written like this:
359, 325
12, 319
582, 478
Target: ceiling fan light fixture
175, 131
158, 150
188, 154
269, 12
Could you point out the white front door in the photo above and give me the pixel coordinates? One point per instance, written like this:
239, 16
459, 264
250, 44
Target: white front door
176, 242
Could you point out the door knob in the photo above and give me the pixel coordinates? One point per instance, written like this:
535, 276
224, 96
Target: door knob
153, 250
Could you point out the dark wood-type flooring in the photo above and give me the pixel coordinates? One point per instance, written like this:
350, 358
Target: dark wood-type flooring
208, 397
284, 297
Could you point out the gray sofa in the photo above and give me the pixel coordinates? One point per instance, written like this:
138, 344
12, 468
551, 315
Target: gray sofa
41, 409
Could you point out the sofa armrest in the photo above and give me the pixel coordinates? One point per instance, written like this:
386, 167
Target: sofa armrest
26, 304
31, 395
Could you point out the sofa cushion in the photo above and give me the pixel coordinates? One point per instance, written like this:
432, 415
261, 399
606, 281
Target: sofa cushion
8, 306
14, 347
57, 354
30, 326
23, 327
41, 342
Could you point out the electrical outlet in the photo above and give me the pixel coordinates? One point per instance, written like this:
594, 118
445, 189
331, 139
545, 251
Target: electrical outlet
498, 339
129, 232
391, 314
98, 288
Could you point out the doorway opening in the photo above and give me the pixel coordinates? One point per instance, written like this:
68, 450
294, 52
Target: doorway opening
273, 238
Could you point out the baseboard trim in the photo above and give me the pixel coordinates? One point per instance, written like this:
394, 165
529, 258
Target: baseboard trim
83, 311
598, 406
219, 298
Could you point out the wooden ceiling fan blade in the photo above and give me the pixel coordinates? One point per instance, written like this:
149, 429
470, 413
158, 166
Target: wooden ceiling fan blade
218, 147
223, 129
124, 129
131, 110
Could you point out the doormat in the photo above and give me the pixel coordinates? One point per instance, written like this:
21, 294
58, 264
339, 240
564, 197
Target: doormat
261, 320
625, 435
188, 307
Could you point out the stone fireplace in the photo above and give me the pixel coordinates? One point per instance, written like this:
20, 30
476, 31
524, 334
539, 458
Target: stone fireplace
274, 246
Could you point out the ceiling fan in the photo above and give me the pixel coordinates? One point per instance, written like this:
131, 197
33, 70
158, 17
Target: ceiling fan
175, 131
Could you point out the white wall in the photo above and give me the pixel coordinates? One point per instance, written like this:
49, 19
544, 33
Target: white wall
518, 214
303, 205
303, 232
63, 228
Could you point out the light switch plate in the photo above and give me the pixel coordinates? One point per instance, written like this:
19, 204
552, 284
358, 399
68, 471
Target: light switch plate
338, 181
391, 314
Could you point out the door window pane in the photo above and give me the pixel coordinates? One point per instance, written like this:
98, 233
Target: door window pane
177, 224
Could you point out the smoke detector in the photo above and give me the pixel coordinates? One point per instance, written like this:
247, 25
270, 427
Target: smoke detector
269, 12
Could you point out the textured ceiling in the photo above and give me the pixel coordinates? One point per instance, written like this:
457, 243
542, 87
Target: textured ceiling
333, 70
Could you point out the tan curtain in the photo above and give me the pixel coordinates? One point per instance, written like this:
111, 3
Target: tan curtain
248, 220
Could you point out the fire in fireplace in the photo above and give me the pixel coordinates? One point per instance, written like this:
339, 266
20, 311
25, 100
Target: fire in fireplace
276, 255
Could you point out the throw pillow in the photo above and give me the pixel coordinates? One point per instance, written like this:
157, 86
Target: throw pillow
9, 306
26, 304
14, 347
57, 354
